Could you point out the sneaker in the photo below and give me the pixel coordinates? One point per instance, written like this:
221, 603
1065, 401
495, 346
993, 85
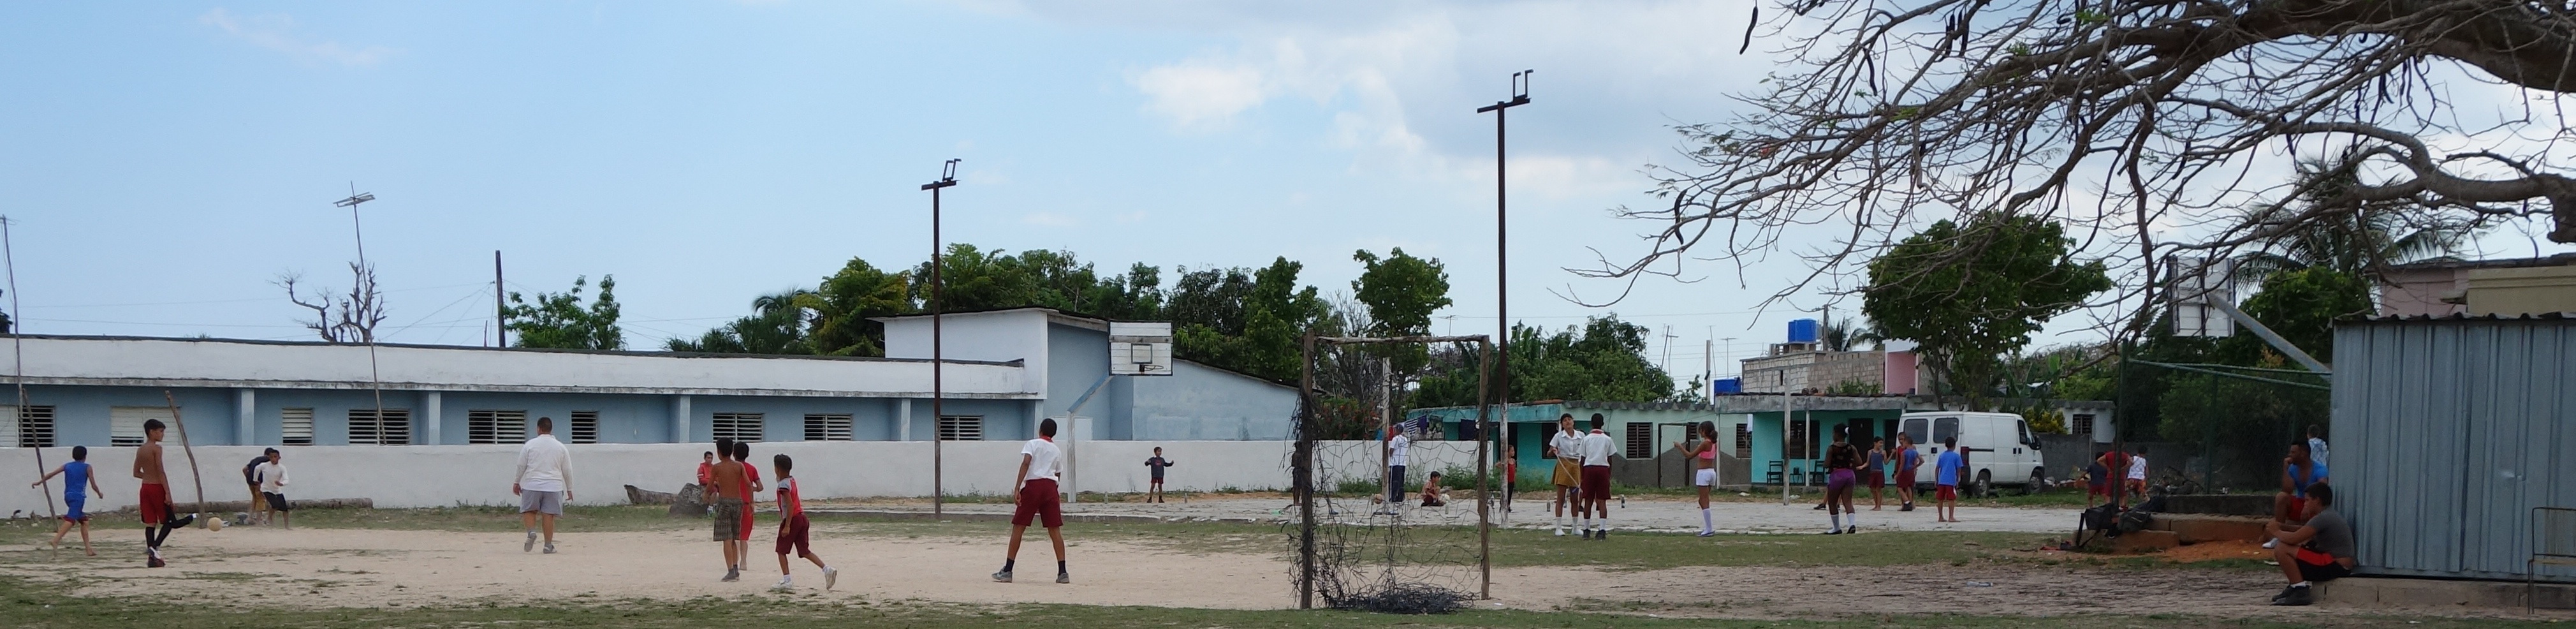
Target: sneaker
2271, 543
1853, 529
784, 584
2285, 593
1003, 576
732, 575
1708, 533
1560, 531
1062, 577
1833, 531
1820, 507
1905, 507
550, 548
531, 544
155, 562
183, 521
1602, 534
2298, 597
829, 576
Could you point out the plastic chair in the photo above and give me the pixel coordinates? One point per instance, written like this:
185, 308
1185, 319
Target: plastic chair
2553, 541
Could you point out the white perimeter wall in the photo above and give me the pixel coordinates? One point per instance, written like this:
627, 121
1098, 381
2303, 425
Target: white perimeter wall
433, 476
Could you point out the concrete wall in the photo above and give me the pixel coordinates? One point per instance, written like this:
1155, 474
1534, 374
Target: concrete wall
1201, 402
989, 336
2513, 292
423, 476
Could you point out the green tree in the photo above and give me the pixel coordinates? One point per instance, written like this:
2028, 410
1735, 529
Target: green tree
2301, 305
1401, 292
777, 326
843, 307
560, 320
1602, 360
1973, 294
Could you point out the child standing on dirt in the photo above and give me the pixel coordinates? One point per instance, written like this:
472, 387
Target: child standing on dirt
750, 492
1034, 499
793, 530
76, 474
725, 499
1906, 460
1945, 507
152, 502
1155, 492
272, 488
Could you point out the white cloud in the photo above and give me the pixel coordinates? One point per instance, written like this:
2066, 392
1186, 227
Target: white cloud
1201, 94
275, 32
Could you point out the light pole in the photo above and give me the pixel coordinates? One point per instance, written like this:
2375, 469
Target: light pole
947, 177
1502, 278
375, 377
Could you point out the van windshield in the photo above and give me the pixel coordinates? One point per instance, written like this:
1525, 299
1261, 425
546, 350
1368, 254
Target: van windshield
1944, 429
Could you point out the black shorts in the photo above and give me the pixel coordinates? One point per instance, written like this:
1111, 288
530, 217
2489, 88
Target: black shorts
2312, 571
276, 502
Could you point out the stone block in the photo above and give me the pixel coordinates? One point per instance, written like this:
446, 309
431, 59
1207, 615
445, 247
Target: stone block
2144, 541
2194, 529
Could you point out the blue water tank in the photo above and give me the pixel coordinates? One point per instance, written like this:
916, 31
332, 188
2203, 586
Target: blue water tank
1725, 386
1802, 330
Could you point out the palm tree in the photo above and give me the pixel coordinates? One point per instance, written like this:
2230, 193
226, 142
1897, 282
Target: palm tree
2363, 241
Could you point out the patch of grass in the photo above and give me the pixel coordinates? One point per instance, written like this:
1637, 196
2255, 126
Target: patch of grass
25, 603
576, 519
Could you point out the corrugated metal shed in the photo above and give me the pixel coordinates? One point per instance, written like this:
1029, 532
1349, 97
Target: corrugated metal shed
2447, 431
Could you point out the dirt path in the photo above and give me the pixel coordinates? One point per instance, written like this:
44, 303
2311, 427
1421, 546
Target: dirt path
371, 568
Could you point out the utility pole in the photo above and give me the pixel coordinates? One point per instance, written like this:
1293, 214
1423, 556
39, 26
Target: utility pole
375, 376
1502, 278
500, 309
938, 392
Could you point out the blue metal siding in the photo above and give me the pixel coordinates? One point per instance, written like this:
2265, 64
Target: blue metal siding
2446, 433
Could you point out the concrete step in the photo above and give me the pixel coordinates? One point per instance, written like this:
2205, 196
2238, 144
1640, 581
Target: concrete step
2441, 593
2220, 504
2194, 529
2144, 541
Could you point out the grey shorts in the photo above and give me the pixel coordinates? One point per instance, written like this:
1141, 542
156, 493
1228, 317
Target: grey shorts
728, 517
546, 502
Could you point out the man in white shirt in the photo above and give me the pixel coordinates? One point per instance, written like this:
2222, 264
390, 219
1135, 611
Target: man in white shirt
1566, 446
1597, 450
1034, 499
1399, 450
544, 483
272, 487
2317, 444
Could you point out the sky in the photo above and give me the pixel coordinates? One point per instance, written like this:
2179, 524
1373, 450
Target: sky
166, 161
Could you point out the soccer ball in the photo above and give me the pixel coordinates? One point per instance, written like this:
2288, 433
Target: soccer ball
214, 524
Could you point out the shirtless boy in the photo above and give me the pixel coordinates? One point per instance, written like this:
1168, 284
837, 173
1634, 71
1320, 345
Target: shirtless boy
153, 502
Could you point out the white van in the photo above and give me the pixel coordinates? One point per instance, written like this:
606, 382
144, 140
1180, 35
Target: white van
1999, 446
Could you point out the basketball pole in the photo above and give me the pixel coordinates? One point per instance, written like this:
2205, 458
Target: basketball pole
191, 449
938, 393
18, 353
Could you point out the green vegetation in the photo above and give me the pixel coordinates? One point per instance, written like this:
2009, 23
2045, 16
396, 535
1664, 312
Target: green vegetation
1973, 294
559, 320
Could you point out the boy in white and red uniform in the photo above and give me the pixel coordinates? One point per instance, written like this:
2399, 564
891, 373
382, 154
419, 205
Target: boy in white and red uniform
792, 527
1036, 500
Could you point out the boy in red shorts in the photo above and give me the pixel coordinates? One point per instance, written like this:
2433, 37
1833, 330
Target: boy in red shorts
154, 500
792, 527
1035, 498
751, 489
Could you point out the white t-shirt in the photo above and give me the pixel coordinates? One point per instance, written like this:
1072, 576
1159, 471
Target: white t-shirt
544, 465
1398, 450
2137, 467
1597, 448
2317, 450
1044, 458
1568, 445
272, 477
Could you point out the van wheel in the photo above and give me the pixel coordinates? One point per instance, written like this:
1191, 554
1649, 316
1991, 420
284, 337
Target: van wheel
1985, 487
2038, 481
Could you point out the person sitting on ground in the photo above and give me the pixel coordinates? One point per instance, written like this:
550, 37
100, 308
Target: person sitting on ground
2298, 472
1434, 495
2321, 550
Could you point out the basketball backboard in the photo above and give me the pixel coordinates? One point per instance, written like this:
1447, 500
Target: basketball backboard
2190, 284
1140, 348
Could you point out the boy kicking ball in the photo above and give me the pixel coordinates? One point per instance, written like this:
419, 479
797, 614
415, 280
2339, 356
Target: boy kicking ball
75, 474
1036, 500
792, 527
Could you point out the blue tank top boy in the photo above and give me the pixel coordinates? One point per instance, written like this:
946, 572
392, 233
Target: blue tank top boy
76, 479
2299, 482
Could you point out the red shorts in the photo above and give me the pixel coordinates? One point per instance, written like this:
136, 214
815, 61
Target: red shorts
1877, 479
746, 520
1039, 503
154, 503
1905, 480
792, 536
1946, 492
1596, 482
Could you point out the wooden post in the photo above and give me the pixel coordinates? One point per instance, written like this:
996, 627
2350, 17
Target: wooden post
191, 449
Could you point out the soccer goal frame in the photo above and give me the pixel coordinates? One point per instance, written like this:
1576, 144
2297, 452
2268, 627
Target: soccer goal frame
1302, 460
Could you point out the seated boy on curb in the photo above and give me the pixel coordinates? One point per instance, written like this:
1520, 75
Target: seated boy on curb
2319, 550
1433, 495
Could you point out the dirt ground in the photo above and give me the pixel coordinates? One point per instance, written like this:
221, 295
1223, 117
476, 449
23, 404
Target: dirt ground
378, 568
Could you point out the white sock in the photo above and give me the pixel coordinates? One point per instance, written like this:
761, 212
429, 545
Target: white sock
1603, 523
1837, 519
1855, 518
1706, 523
2300, 584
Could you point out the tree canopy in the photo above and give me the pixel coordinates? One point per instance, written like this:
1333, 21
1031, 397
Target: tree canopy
560, 320
1973, 294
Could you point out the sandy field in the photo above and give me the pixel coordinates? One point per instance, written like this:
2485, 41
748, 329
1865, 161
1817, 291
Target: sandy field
373, 568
